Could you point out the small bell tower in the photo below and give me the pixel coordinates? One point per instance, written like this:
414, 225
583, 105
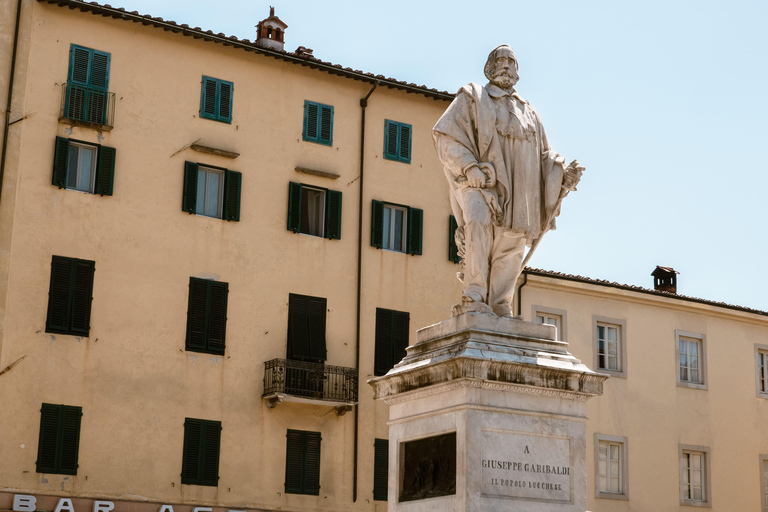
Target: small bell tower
271, 31
665, 279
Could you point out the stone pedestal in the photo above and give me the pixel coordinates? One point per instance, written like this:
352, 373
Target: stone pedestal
487, 414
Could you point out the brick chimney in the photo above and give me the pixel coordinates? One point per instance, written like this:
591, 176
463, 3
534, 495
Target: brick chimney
665, 279
271, 31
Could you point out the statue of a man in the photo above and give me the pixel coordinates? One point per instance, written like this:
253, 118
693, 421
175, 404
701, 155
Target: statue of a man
506, 183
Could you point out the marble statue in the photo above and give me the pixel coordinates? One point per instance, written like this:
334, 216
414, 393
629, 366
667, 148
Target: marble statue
506, 183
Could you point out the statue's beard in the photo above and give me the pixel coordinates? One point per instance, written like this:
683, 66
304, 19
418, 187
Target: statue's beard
505, 79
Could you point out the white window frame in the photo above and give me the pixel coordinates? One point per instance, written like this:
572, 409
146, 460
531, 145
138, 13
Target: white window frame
559, 315
81, 146
702, 339
220, 199
623, 494
391, 228
764, 481
683, 451
621, 326
761, 370
324, 193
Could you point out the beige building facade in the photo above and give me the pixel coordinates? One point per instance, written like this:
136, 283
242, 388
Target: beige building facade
208, 245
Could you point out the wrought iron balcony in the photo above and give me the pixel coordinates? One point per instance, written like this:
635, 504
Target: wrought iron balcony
87, 106
299, 381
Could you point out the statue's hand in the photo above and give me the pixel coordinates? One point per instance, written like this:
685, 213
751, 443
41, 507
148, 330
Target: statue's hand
475, 177
572, 175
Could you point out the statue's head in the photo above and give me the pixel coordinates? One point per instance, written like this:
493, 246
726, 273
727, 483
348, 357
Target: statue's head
501, 67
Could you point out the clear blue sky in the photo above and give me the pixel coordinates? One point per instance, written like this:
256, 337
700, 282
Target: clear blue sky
663, 102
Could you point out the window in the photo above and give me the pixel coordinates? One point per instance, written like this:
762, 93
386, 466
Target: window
691, 359
610, 345
396, 227
392, 329
397, 141
302, 462
380, 469
453, 248
82, 166
551, 316
200, 461
87, 85
764, 480
306, 328
761, 370
694, 475
216, 100
611, 466
211, 191
318, 123
70, 296
58, 447
207, 316
314, 211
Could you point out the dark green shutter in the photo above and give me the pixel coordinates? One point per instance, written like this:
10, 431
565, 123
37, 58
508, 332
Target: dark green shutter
380, 469
294, 207
311, 115
404, 149
217, 316
48, 443
400, 326
298, 327
232, 185
415, 225
190, 465
60, 162
377, 224
79, 65
81, 296
316, 321
189, 199
453, 249
312, 463
333, 214
99, 78
59, 295
225, 101
209, 461
294, 466
390, 140
326, 125
59, 439
208, 98
197, 314
105, 173
383, 350
70, 438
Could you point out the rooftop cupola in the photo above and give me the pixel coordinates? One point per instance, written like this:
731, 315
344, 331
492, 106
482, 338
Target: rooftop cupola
665, 279
271, 31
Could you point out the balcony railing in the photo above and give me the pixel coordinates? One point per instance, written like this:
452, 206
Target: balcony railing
86, 105
314, 381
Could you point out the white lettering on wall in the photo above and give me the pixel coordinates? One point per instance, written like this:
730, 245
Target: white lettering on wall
203, 509
24, 503
166, 508
103, 506
65, 504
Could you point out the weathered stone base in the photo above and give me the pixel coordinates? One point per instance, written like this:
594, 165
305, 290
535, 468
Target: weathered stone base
516, 400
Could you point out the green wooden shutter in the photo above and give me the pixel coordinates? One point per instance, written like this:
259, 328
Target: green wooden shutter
294, 465
193, 438
70, 439
316, 326
105, 170
311, 116
383, 351
298, 327
380, 469
233, 181
390, 140
225, 101
189, 199
294, 207
208, 98
99, 76
197, 314
48, 443
79, 65
211, 439
326, 125
415, 225
377, 224
217, 316
453, 249
81, 296
333, 214
312, 463
59, 295
404, 148
400, 326
60, 162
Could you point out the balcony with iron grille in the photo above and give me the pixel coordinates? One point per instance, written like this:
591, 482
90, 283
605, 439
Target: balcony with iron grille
87, 106
286, 380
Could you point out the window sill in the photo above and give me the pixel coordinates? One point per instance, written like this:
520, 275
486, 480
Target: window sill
85, 124
612, 373
689, 503
692, 385
611, 496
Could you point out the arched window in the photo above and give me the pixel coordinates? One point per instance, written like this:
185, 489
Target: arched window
279, 35
269, 32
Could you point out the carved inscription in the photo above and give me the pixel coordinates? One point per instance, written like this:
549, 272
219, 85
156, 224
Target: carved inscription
520, 465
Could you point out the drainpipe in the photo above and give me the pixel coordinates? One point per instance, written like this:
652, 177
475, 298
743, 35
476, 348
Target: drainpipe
10, 96
520, 293
363, 104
